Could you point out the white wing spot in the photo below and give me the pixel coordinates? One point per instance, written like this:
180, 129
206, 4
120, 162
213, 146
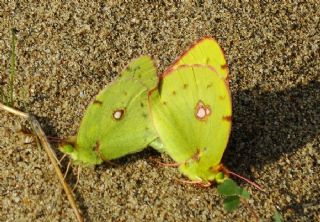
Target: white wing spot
118, 114
202, 111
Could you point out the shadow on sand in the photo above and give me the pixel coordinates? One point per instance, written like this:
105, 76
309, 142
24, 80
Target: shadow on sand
268, 125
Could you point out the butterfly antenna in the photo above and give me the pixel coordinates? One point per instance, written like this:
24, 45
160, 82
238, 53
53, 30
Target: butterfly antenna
54, 139
257, 186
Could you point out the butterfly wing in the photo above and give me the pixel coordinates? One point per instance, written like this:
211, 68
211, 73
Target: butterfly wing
191, 111
117, 123
143, 70
205, 52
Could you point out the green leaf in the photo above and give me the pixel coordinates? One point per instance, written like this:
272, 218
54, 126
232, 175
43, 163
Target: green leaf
244, 193
231, 203
277, 216
229, 188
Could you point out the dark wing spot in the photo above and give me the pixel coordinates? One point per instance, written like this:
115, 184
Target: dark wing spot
208, 61
224, 66
185, 85
196, 156
174, 92
97, 151
144, 115
125, 93
129, 69
222, 97
97, 146
209, 85
97, 102
136, 69
227, 118
164, 103
141, 104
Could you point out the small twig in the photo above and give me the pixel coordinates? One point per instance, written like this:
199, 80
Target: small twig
14, 111
43, 139
12, 66
199, 183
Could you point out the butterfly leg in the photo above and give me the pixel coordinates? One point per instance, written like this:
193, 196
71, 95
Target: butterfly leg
59, 161
67, 170
155, 160
78, 178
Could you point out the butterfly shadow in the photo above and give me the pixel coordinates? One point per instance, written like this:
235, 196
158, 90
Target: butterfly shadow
146, 154
267, 125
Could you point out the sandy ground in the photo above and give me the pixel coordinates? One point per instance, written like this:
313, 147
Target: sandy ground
67, 51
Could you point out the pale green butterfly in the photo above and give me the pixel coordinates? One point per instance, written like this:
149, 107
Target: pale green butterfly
191, 111
117, 122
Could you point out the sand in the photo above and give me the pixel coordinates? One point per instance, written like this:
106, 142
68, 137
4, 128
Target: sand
68, 51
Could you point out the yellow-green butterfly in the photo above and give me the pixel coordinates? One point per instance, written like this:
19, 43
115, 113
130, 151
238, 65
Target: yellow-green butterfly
191, 111
117, 122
